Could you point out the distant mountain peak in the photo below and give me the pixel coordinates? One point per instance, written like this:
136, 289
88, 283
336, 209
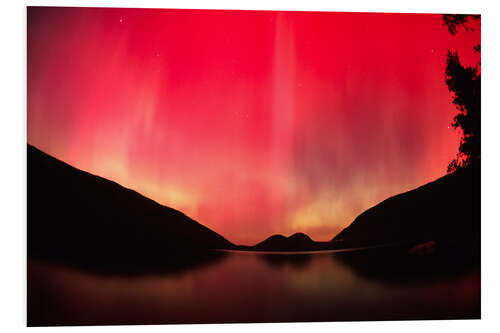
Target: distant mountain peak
300, 236
296, 242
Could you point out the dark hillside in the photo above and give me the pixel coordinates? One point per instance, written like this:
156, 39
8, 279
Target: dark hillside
81, 218
445, 211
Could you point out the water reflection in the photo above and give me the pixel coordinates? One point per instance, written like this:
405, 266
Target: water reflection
395, 265
172, 264
243, 287
279, 261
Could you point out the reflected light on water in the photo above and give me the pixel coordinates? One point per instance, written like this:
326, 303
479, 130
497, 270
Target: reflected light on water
243, 287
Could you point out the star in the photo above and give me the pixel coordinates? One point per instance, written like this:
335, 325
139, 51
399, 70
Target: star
121, 20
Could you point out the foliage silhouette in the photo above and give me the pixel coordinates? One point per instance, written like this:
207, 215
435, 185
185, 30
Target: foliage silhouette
465, 84
456, 21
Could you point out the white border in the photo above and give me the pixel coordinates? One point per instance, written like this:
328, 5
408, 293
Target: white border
13, 138
422, 6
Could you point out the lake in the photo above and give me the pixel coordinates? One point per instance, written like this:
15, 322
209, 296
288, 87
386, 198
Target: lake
247, 287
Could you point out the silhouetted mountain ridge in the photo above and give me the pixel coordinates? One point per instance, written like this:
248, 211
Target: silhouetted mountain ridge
445, 210
75, 216
79, 217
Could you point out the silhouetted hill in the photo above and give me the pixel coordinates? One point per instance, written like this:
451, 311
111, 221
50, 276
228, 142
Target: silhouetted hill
446, 211
296, 242
434, 232
79, 218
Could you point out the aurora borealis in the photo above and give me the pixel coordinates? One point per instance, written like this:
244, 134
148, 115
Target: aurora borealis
250, 122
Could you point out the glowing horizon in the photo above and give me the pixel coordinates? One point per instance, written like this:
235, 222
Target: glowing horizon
250, 122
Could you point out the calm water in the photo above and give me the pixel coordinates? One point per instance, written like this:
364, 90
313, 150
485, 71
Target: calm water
244, 287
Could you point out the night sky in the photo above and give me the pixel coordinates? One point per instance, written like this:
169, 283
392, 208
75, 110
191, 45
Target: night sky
250, 122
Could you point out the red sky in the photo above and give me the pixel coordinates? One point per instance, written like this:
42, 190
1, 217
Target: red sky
251, 122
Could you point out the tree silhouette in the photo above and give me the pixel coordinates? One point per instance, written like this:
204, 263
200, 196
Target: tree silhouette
456, 21
465, 84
